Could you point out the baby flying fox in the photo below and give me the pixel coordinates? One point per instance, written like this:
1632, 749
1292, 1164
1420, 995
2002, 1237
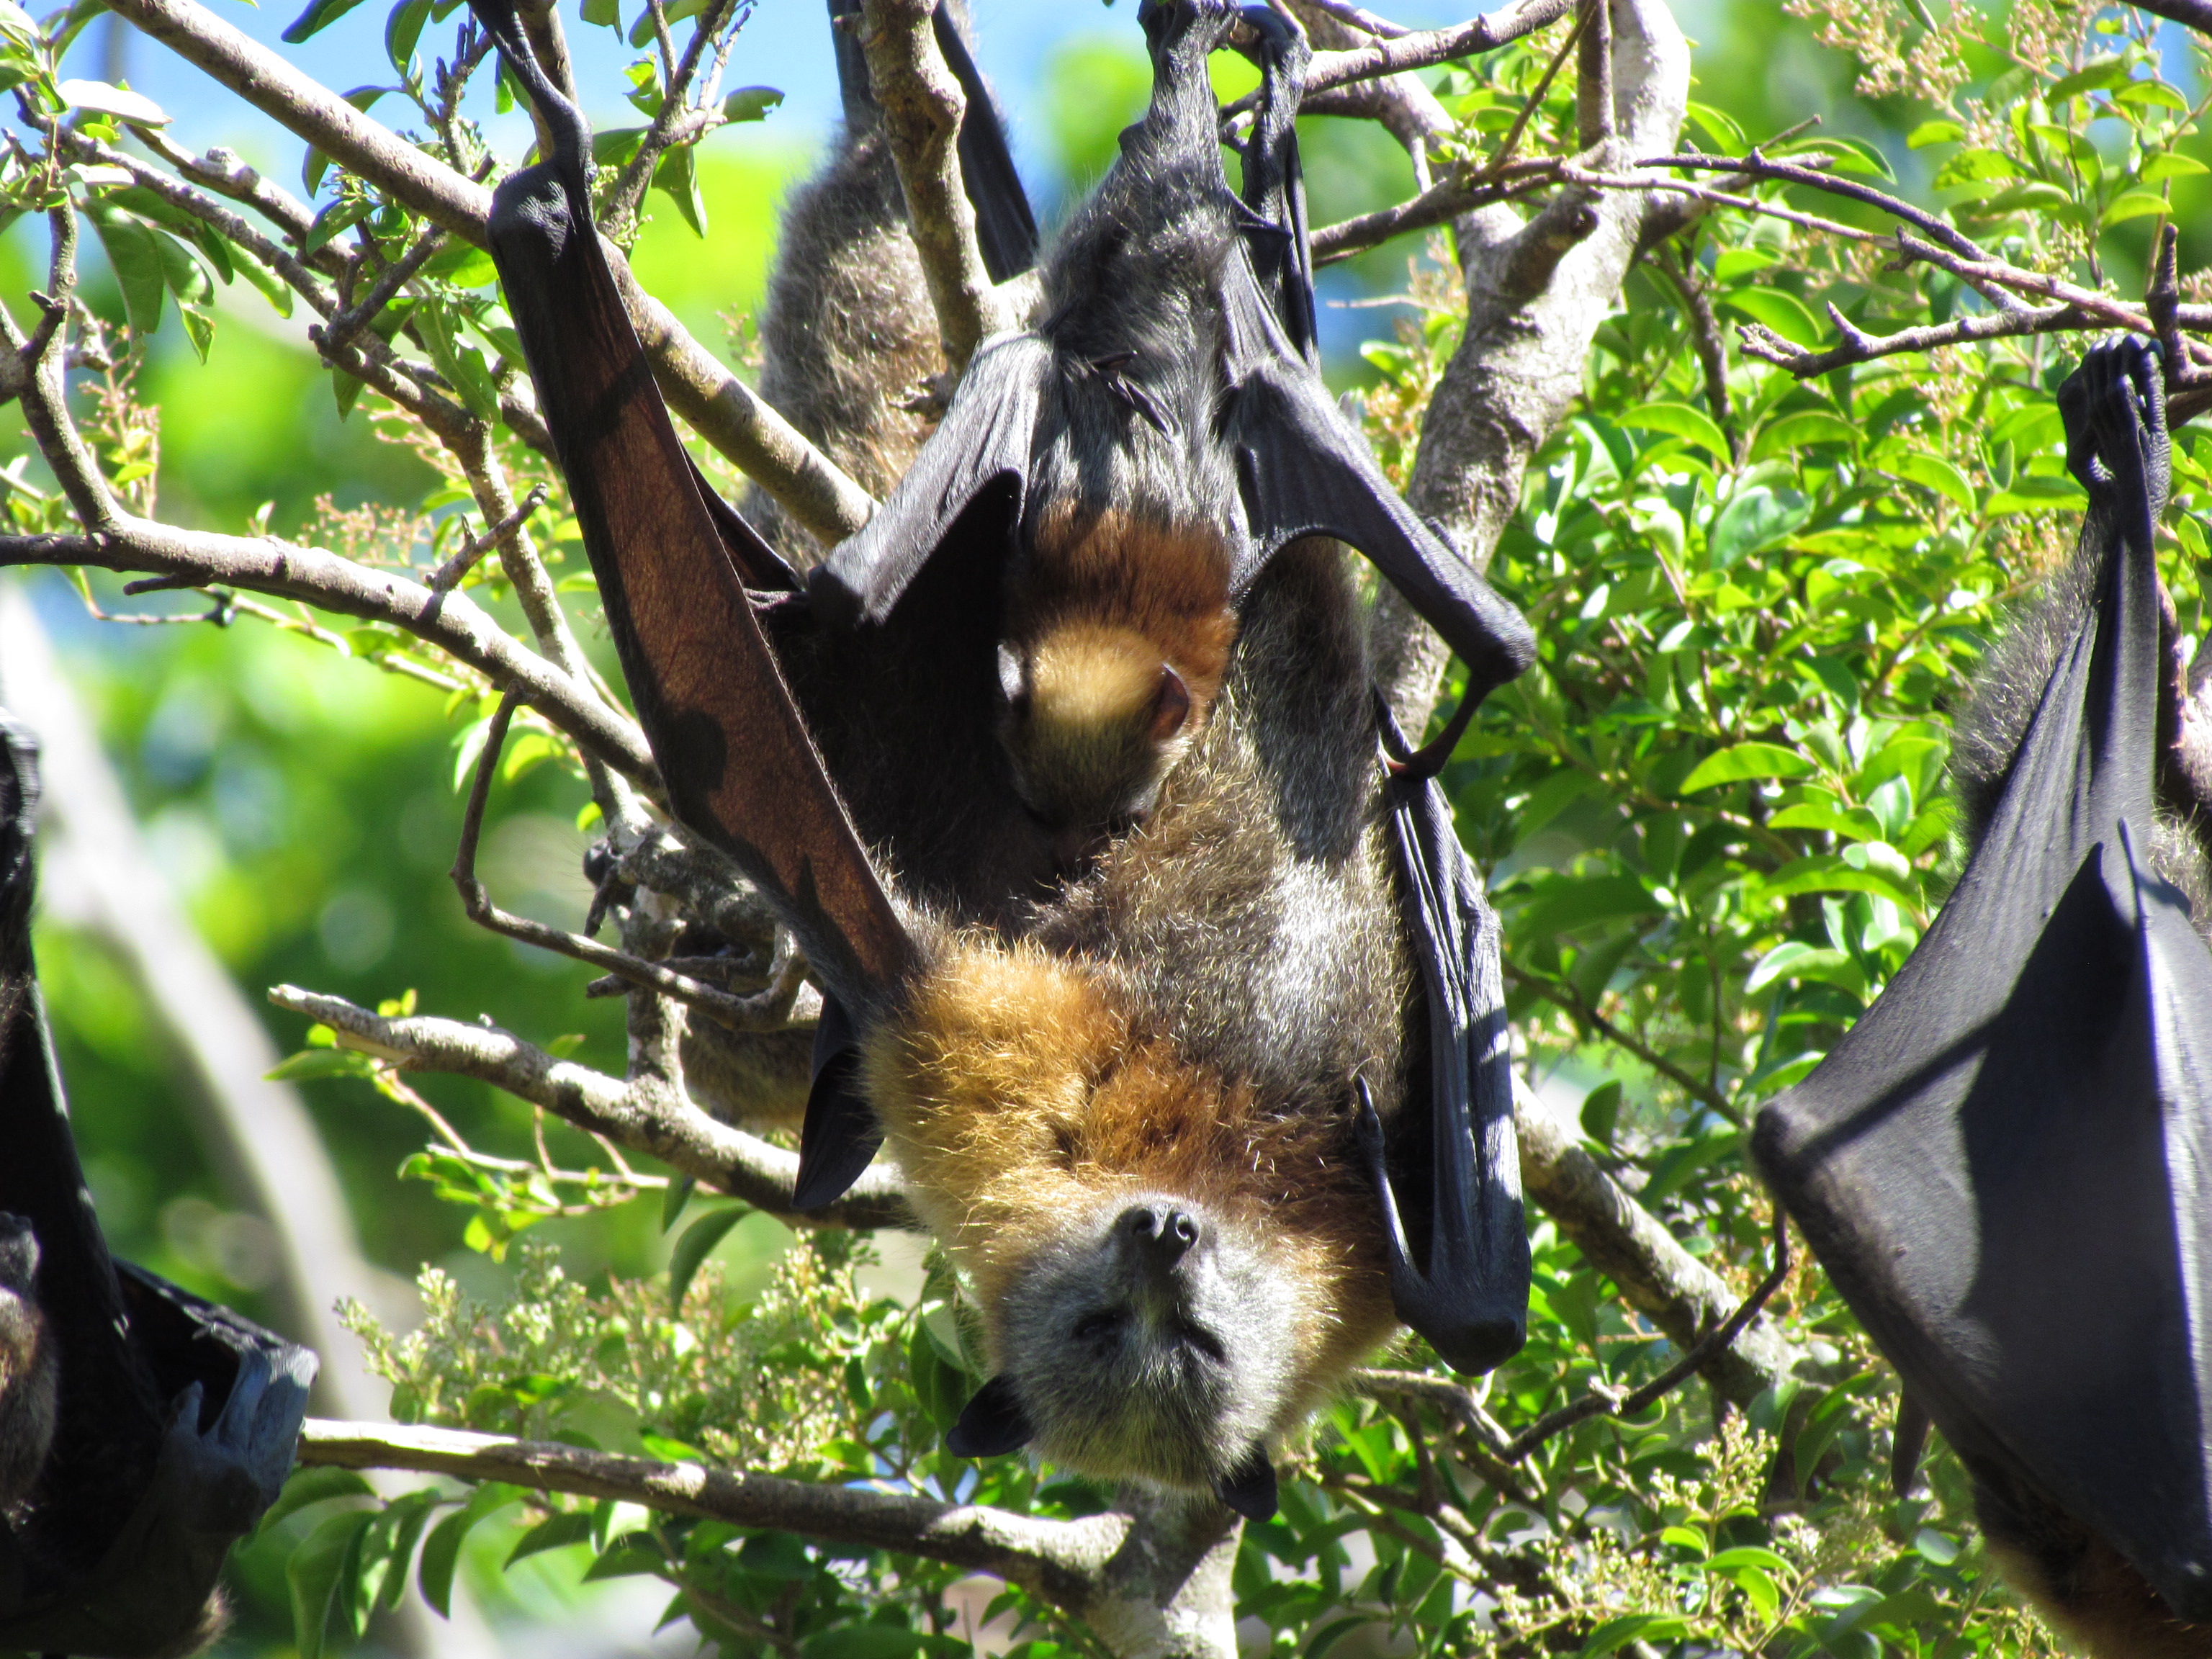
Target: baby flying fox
1118, 633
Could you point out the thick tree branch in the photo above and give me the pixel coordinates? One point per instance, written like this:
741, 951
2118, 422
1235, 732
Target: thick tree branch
1627, 1244
724, 410
1536, 290
650, 1114
922, 104
1065, 1562
451, 621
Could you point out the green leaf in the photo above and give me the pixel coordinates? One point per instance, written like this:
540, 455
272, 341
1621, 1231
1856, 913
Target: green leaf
868, 1641
603, 14
1779, 310
307, 1487
2106, 75
2135, 204
677, 177
313, 1064
135, 255
1824, 872
553, 1531
2150, 95
1846, 156
1933, 132
1806, 426
750, 103
1601, 1111
1617, 1633
1757, 518
2032, 194
626, 1557
1721, 127
1682, 421
2171, 165
674, 1198
699, 1239
317, 1576
274, 289
119, 101
1931, 472
186, 277
1579, 902
441, 1552
1793, 959
403, 29
1745, 761
346, 211
317, 16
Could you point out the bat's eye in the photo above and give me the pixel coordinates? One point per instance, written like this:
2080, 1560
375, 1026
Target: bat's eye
1098, 1326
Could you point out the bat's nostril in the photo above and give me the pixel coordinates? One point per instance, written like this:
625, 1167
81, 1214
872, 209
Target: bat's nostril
1163, 1233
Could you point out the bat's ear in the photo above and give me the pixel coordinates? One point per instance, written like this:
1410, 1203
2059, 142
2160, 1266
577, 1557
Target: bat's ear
1171, 706
1249, 1488
992, 1424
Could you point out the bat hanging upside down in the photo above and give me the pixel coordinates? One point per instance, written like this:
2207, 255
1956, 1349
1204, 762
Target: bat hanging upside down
1191, 1049
2004, 1165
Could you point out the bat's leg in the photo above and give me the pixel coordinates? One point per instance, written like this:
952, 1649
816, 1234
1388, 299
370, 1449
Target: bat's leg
1182, 120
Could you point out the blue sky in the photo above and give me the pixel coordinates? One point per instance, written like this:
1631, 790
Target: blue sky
785, 46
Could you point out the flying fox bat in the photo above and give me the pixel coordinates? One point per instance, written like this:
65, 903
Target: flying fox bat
1134, 461
141, 1430
1193, 1125
2003, 1165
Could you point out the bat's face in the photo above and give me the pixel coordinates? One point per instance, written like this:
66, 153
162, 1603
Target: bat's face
1151, 1338
1170, 1271
1094, 719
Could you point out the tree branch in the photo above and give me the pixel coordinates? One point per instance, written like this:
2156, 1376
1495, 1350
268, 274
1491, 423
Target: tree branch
1629, 1245
1065, 1562
724, 410
451, 621
1536, 292
922, 106
650, 1115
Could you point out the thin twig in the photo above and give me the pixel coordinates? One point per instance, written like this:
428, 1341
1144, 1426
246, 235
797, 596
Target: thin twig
1605, 1402
449, 574
395, 276
1570, 998
740, 1013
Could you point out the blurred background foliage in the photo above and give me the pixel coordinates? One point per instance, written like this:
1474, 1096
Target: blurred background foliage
1715, 817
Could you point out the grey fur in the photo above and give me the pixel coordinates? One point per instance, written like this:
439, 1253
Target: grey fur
30, 1393
847, 336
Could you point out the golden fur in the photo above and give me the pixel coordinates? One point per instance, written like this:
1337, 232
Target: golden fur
1093, 578
1015, 1093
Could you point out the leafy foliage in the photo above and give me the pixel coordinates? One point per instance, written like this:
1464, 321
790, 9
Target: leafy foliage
1714, 813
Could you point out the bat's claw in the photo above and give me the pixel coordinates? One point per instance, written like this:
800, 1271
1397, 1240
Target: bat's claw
2114, 408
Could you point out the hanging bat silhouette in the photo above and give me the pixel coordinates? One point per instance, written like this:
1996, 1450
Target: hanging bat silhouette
1183, 1121
141, 1430
2003, 1165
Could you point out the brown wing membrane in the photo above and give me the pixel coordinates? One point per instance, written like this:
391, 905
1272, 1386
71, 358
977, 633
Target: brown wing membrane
740, 769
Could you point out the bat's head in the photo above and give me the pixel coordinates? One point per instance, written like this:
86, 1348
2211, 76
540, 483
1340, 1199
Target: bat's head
1172, 1269
1151, 1336
1119, 632
1094, 717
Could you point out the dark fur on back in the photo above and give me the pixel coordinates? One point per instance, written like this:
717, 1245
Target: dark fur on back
848, 337
2007, 688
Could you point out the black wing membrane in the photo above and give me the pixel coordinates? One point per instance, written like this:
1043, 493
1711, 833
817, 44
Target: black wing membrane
177, 1420
971, 477
740, 767
2002, 1166
1448, 1177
